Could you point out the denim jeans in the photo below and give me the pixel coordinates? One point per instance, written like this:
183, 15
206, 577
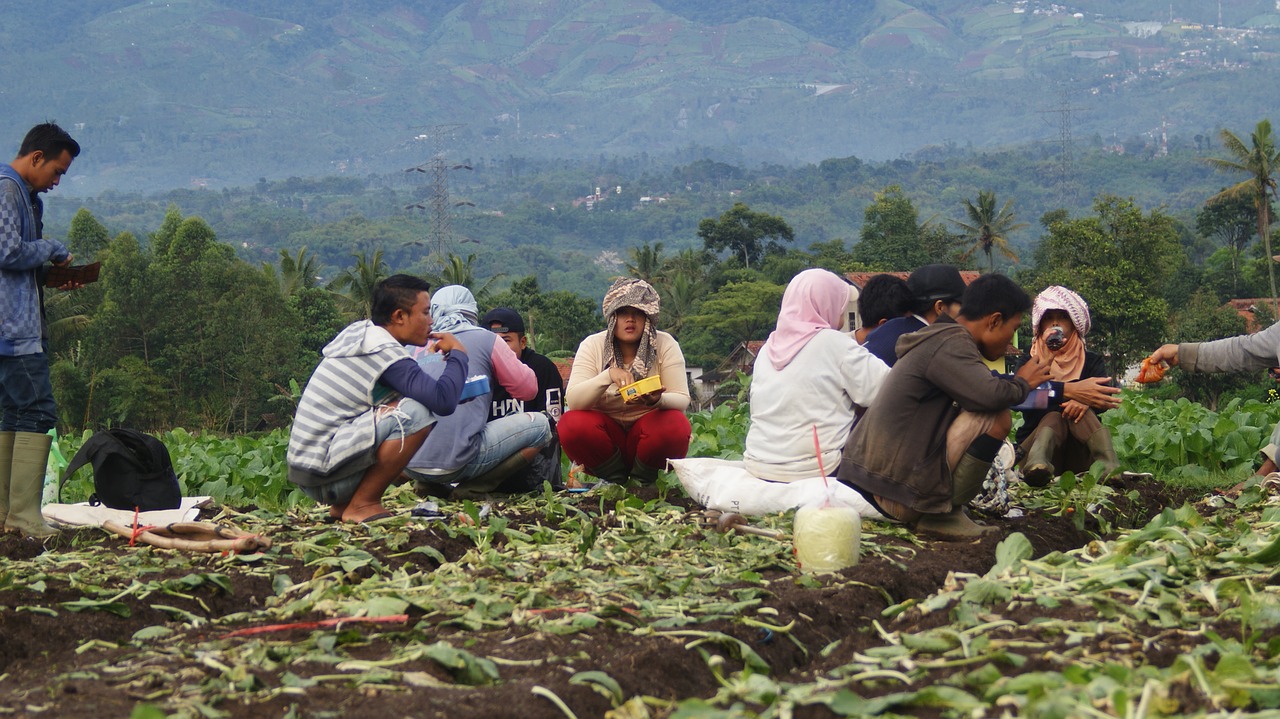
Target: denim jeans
26, 394
394, 422
502, 438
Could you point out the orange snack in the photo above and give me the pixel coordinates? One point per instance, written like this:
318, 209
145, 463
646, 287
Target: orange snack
1150, 371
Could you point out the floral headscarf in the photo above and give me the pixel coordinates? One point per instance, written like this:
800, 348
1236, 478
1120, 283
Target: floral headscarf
630, 292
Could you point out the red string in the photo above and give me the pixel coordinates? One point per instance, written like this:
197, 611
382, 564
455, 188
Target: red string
817, 449
133, 539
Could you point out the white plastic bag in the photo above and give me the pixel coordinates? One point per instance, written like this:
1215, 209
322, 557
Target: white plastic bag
727, 486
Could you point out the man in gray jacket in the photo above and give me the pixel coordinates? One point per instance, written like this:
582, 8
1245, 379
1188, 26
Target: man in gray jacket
1258, 351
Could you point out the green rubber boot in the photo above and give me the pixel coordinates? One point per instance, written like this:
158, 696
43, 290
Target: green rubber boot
6, 458
1102, 450
26, 484
643, 473
1037, 466
612, 470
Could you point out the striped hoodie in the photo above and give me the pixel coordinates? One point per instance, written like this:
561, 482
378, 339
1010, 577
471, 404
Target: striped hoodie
334, 428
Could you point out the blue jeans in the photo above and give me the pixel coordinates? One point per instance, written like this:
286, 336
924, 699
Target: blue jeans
394, 422
502, 438
26, 394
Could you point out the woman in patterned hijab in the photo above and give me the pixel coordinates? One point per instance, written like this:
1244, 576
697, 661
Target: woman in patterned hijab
610, 437
1068, 435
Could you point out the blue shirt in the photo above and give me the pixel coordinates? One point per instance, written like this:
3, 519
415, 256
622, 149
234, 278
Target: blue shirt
882, 340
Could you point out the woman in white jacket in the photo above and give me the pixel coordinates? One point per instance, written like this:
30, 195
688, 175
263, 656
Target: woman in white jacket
808, 375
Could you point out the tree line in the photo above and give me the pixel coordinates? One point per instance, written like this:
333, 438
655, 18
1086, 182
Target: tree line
184, 331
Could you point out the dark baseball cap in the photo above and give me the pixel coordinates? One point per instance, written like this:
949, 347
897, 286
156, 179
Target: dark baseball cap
507, 319
936, 282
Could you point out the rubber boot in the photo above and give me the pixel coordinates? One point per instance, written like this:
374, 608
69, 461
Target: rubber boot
967, 478
26, 484
6, 458
612, 469
954, 525
966, 482
1037, 465
643, 473
481, 485
1102, 450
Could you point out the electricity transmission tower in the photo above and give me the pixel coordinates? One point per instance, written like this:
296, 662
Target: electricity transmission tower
438, 167
1066, 169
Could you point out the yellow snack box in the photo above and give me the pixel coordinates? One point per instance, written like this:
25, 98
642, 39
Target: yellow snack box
636, 390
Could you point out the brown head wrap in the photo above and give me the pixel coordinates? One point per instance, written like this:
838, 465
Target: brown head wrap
630, 292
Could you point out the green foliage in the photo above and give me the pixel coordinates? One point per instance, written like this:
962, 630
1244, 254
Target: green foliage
239, 471
556, 321
1184, 440
890, 238
721, 432
739, 311
745, 234
87, 236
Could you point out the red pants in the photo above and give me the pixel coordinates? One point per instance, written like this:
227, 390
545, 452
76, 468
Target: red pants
590, 437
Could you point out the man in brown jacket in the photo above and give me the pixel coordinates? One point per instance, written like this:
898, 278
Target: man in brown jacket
924, 446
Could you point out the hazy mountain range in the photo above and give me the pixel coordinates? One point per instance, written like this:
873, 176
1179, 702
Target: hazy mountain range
214, 92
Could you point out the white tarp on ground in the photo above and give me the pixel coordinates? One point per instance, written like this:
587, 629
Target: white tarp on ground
727, 486
73, 515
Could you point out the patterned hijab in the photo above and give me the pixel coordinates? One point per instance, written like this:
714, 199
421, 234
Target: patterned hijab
629, 292
453, 307
815, 300
1067, 363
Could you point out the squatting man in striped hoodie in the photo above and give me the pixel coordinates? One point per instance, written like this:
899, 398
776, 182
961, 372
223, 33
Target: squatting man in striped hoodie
369, 406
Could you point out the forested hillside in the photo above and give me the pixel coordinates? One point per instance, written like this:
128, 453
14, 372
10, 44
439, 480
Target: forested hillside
209, 93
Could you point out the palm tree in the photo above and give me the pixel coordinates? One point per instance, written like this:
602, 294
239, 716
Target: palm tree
296, 272
1259, 160
353, 289
989, 229
458, 271
646, 262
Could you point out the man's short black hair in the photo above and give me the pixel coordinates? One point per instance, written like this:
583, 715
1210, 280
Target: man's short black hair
883, 298
397, 292
994, 293
49, 139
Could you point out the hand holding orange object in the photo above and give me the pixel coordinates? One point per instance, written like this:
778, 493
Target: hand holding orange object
1150, 371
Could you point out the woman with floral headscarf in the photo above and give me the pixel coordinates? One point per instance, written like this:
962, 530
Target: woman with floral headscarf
1069, 435
611, 438
808, 384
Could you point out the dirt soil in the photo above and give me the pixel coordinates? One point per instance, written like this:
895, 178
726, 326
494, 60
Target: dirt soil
46, 676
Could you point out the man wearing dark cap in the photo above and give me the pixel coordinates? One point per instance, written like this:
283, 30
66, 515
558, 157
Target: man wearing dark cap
508, 325
936, 291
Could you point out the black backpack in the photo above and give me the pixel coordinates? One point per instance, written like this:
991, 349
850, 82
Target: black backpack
130, 470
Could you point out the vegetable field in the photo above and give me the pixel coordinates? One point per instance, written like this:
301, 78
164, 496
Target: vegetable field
1125, 597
